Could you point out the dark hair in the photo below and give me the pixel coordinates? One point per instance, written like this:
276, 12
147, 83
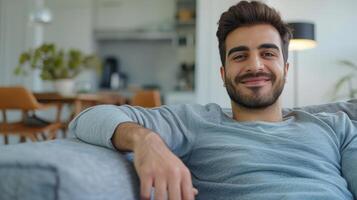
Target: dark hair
251, 13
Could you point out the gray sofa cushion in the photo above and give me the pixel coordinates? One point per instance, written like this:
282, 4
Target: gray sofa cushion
65, 169
349, 107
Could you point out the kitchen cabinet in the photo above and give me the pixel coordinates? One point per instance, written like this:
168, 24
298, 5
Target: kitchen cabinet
162, 35
153, 15
186, 34
186, 22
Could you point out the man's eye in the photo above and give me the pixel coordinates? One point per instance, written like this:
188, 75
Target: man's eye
268, 54
239, 57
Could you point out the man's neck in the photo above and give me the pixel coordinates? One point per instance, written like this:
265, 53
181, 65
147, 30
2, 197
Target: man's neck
271, 113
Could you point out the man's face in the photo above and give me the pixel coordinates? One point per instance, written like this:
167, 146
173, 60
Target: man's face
254, 72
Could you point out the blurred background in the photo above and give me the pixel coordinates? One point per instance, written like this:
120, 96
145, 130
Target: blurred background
170, 46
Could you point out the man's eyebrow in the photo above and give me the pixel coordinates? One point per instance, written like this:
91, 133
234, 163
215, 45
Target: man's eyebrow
268, 46
239, 48
245, 48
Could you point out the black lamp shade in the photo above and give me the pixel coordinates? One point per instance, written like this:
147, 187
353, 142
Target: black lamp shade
303, 35
303, 30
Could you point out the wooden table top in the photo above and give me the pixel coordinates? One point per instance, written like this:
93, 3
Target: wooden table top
99, 98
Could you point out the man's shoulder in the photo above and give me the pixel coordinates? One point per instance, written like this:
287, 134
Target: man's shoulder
322, 115
207, 111
335, 120
194, 107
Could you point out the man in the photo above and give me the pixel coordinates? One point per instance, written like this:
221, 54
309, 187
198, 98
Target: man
194, 151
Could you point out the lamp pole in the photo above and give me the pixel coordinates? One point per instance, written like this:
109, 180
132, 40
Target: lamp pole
303, 38
296, 79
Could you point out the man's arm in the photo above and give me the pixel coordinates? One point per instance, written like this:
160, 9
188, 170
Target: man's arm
165, 130
155, 164
97, 125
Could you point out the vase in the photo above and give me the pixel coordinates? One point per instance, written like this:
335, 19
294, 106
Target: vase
64, 87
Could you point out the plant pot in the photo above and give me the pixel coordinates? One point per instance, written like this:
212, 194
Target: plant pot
64, 87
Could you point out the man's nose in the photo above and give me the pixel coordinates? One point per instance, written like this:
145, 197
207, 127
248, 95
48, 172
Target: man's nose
254, 63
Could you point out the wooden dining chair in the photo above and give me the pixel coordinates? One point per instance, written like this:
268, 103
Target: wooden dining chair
146, 98
22, 100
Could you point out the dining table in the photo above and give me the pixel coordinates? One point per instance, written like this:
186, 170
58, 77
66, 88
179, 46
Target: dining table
82, 100
79, 102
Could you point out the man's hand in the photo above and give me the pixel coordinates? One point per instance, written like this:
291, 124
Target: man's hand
156, 166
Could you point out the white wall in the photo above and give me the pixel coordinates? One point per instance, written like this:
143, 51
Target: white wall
336, 27
318, 68
72, 25
209, 86
15, 36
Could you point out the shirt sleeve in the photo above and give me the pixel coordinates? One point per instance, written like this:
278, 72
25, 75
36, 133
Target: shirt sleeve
96, 125
348, 151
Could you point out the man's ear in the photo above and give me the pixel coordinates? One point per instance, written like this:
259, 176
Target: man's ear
286, 68
223, 75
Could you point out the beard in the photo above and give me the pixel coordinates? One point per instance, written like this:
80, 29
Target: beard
256, 100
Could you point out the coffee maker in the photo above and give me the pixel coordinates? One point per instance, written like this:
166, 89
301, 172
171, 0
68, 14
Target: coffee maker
112, 77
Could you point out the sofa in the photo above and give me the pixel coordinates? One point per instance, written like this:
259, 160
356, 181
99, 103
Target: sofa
65, 169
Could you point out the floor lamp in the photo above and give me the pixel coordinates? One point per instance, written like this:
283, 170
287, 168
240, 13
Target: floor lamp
303, 38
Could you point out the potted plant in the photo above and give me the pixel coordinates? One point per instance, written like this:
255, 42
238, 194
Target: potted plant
347, 81
57, 65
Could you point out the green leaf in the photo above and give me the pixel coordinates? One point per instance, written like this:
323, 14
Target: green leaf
341, 82
55, 63
348, 64
18, 70
353, 93
24, 57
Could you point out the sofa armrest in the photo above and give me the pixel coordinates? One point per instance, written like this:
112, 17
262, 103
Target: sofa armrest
65, 169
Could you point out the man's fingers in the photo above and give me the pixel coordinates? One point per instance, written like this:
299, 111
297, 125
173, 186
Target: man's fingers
187, 193
195, 191
145, 188
174, 188
160, 189
186, 185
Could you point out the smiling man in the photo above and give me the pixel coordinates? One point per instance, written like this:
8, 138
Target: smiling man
251, 151
254, 69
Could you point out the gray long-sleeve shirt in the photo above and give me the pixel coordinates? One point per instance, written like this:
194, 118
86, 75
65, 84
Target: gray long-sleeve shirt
306, 156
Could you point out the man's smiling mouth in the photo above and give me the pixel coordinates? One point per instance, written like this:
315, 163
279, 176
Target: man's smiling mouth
255, 81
